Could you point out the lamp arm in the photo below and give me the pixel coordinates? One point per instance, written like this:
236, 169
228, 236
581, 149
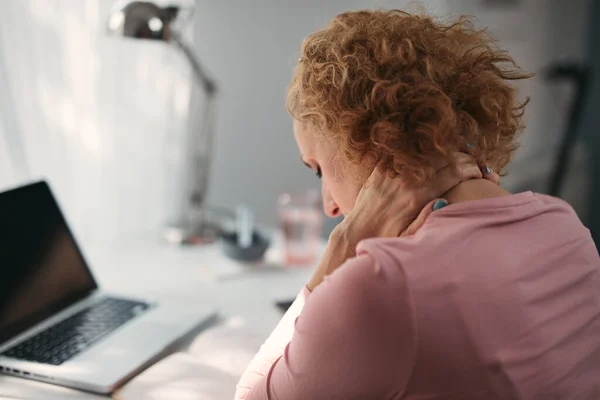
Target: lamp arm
208, 84
201, 160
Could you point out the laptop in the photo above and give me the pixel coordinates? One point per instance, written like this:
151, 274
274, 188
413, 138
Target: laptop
56, 324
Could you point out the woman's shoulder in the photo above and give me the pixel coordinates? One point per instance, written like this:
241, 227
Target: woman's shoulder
515, 206
366, 277
460, 230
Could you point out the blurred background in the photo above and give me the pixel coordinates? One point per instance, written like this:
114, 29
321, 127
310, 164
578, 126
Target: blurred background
105, 120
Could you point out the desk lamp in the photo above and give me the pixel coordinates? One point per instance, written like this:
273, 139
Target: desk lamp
149, 21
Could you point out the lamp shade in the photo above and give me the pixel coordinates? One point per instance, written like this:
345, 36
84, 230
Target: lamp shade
149, 20
144, 20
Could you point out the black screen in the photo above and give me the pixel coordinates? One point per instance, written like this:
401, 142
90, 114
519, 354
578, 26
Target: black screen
41, 267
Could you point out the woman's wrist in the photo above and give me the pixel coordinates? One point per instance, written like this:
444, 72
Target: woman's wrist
339, 249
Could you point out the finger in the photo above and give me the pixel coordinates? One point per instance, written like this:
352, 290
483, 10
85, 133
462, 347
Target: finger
456, 158
468, 170
421, 218
464, 166
495, 178
463, 157
449, 177
443, 162
490, 175
486, 171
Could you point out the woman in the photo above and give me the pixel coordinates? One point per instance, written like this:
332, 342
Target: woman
494, 296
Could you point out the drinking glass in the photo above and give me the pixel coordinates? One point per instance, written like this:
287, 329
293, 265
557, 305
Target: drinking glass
301, 221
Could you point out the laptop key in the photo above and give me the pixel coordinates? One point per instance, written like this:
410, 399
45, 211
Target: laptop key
70, 337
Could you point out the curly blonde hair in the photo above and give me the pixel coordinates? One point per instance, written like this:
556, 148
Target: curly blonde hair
408, 90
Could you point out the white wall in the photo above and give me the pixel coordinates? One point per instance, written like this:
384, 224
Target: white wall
252, 47
105, 120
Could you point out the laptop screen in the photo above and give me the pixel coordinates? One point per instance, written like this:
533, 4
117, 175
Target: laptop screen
41, 268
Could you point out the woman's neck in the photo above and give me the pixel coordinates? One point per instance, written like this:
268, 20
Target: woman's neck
474, 189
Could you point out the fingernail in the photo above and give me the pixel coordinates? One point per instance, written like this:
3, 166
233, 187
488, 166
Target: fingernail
488, 170
439, 204
469, 146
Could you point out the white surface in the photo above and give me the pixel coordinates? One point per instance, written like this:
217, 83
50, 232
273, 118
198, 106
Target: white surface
245, 302
181, 377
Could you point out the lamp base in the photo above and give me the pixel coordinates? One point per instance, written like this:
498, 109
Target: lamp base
193, 234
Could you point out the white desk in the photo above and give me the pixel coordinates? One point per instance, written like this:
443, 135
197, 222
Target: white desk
151, 268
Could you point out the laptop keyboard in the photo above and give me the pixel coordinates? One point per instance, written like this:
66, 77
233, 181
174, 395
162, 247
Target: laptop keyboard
71, 336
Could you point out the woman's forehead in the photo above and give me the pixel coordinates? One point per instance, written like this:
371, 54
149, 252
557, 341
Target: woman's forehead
304, 137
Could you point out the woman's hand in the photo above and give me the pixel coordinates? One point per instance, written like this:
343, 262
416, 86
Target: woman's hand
386, 207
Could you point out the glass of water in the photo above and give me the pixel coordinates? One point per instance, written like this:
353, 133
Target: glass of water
301, 221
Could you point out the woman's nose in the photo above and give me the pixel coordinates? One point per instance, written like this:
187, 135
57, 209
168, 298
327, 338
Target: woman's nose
329, 206
332, 210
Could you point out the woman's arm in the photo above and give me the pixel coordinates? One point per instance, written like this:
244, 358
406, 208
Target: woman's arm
336, 253
272, 348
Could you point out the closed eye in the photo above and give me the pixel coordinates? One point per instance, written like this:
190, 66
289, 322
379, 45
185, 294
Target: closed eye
318, 171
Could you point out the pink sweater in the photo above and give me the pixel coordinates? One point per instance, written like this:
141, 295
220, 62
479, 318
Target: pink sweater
490, 299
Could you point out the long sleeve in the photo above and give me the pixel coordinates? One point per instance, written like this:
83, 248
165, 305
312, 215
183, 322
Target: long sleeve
354, 339
272, 349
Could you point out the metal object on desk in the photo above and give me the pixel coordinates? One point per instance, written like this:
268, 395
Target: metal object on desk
246, 243
146, 20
